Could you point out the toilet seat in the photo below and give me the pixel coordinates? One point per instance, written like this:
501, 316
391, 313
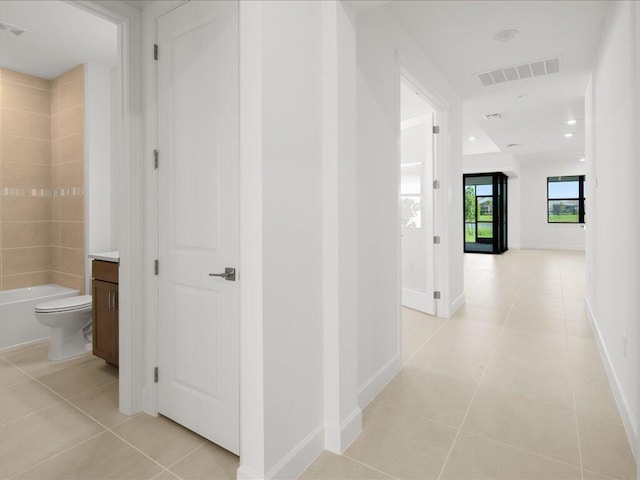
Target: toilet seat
65, 304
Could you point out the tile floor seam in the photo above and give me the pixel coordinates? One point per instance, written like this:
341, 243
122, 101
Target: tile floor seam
573, 392
446, 320
416, 415
93, 389
14, 384
58, 454
185, 456
90, 418
369, 466
475, 393
28, 415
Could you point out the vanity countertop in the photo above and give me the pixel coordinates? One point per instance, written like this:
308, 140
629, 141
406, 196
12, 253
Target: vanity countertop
113, 257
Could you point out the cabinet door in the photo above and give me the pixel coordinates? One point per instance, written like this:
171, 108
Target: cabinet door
115, 357
104, 327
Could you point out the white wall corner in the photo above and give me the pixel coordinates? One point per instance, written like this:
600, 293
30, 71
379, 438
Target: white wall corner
298, 459
337, 438
625, 410
378, 381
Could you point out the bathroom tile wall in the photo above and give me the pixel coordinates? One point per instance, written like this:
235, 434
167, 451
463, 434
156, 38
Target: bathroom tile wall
25, 180
67, 178
42, 179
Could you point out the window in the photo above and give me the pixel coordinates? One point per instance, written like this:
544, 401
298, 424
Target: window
565, 199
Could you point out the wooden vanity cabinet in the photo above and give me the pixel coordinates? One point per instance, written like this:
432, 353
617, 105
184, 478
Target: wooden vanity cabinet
105, 310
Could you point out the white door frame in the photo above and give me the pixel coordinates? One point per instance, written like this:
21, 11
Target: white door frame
440, 108
127, 155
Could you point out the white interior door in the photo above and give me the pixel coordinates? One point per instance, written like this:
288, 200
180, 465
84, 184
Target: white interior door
198, 336
416, 202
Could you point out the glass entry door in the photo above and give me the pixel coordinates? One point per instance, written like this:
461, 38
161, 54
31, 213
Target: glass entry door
485, 213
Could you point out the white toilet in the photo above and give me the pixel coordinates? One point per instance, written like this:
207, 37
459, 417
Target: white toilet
67, 318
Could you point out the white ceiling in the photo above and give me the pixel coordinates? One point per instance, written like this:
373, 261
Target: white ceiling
58, 36
458, 37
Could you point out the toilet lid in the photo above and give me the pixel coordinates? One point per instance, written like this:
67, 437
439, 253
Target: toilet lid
65, 304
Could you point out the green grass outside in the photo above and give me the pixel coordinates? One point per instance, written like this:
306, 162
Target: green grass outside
484, 231
567, 218
485, 218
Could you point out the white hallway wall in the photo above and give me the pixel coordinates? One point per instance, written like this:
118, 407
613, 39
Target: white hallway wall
535, 231
613, 283
381, 44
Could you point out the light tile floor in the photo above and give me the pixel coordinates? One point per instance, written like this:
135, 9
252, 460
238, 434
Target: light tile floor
61, 421
512, 387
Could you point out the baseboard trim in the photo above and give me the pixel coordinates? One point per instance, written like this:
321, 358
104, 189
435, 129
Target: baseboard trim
621, 401
299, 459
244, 473
456, 305
378, 381
548, 246
338, 438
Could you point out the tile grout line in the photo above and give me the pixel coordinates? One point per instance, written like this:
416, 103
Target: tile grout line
475, 394
107, 429
573, 391
369, 466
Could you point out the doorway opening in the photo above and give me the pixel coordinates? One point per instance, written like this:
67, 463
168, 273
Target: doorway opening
417, 154
485, 213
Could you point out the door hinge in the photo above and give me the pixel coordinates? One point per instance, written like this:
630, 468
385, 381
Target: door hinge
155, 51
155, 159
155, 375
156, 267
436, 295
436, 129
436, 239
436, 184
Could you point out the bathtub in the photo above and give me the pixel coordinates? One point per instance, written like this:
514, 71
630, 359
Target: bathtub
18, 323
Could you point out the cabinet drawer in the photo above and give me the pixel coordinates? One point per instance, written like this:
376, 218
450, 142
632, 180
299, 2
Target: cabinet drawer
105, 271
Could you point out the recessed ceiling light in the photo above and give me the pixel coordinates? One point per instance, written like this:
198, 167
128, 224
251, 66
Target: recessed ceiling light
582, 159
521, 96
471, 139
571, 122
568, 135
506, 35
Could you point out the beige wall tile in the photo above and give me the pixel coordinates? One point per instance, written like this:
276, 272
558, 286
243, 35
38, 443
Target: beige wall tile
24, 79
25, 260
22, 97
74, 73
55, 151
55, 126
55, 258
55, 209
10, 282
56, 228
72, 261
55, 176
21, 209
72, 208
72, 121
25, 124
71, 234
25, 150
25, 175
55, 101
26, 234
71, 281
72, 94
72, 148
72, 174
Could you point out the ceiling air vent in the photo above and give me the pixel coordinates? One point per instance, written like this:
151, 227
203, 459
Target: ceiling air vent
11, 28
493, 116
518, 72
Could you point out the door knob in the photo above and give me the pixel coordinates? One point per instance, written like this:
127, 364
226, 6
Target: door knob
229, 274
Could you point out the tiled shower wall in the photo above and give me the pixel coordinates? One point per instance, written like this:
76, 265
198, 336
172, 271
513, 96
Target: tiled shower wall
67, 178
41, 180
